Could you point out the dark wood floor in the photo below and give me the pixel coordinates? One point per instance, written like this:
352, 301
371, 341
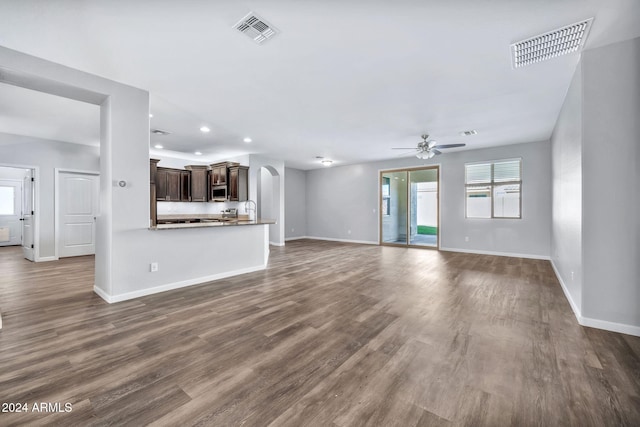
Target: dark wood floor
331, 334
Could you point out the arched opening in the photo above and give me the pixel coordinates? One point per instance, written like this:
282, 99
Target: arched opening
268, 201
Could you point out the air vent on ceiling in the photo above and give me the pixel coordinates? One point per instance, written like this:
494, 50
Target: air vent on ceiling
159, 132
469, 132
551, 44
256, 28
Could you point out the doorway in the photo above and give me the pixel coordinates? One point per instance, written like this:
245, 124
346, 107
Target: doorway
17, 226
77, 208
410, 209
268, 202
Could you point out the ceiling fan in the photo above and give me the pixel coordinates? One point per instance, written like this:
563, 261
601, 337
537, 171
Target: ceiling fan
428, 149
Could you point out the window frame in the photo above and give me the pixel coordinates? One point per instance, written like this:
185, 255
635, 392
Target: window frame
492, 184
386, 200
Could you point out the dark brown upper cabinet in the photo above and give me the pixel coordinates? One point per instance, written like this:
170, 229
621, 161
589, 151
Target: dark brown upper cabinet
238, 183
219, 174
169, 184
185, 186
199, 183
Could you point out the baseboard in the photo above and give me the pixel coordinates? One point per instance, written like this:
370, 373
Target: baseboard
175, 285
295, 238
507, 254
276, 244
47, 258
102, 294
611, 326
594, 323
363, 242
572, 303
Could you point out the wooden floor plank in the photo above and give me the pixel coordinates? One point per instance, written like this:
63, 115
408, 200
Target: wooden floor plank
330, 334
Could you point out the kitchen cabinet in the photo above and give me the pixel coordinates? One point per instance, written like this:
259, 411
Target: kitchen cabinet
153, 205
185, 186
238, 183
219, 174
153, 169
199, 186
169, 184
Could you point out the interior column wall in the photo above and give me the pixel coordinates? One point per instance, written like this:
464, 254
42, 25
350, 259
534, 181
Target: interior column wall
611, 201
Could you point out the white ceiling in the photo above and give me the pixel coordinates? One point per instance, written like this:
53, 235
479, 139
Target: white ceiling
347, 79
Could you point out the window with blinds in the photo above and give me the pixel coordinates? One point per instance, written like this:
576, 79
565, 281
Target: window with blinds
493, 190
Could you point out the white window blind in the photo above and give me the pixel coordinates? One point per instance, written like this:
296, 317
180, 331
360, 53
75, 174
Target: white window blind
506, 171
493, 189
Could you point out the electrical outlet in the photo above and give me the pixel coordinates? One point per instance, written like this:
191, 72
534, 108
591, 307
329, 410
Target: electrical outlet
466, 238
293, 229
153, 267
348, 231
572, 276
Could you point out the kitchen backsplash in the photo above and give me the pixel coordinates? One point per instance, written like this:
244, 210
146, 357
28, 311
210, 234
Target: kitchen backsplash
166, 208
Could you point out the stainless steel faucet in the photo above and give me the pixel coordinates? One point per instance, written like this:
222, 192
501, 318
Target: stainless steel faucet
248, 208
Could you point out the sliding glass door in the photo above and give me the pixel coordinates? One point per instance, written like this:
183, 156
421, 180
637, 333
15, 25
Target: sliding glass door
409, 212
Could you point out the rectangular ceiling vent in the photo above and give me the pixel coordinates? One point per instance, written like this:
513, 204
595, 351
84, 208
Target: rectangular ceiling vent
256, 28
551, 44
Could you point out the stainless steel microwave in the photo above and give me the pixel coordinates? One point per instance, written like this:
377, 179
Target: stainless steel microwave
219, 193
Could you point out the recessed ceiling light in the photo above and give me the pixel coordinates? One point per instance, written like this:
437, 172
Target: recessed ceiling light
327, 162
247, 140
205, 129
158, 146
150, 115
469, 132
197, 153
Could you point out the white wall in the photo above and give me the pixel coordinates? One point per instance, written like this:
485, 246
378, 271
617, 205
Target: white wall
295, 194
12, 173
611, 201
346, 198
596, 156
566, 223
47, 155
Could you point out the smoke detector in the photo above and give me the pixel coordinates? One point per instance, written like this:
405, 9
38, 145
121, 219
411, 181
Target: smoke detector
256, 28
550, 44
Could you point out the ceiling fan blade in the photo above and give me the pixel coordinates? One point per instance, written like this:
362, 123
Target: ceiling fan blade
432, 143
436, 151
407, 154
449, 146
403, 148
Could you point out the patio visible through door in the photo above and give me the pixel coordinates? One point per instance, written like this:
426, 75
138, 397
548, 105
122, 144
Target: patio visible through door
409, 212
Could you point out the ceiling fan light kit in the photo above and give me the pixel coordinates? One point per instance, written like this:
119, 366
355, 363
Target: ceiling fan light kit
429, 149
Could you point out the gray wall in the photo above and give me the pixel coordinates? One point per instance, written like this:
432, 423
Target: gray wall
566, 222
343, 199
295, 197
610, 158
47, 155
595, 225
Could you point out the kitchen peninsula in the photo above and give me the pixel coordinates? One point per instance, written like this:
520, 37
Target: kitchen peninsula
203, 243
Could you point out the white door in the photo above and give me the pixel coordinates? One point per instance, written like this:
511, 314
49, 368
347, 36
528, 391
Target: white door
10, 212
77, 210
27, 216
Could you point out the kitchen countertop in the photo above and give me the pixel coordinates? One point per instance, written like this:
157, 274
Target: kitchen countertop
210, 222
